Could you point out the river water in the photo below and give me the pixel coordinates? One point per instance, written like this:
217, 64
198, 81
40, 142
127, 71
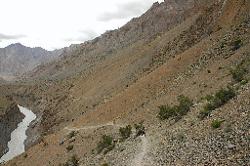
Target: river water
16, 145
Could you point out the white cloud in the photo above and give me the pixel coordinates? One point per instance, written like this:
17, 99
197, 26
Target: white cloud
125, 10
59, 23
9, 37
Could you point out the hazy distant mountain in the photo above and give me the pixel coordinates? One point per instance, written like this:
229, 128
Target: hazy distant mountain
16, 59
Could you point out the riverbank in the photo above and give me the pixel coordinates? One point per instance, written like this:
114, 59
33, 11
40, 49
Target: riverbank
16, 145
10, 117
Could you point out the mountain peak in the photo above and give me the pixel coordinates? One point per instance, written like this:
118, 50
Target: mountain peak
15, 45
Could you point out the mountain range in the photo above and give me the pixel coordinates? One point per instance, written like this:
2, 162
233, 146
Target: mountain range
17, 59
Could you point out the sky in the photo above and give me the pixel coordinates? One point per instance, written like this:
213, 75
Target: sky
54, 24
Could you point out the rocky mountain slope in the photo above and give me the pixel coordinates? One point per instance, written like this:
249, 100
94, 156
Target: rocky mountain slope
139, 31
17, 59
180, 72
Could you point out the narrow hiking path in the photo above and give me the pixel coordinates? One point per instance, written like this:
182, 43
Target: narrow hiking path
92, 127
139, 158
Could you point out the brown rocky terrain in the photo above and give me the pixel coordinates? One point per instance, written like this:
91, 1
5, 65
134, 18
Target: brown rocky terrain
194, 48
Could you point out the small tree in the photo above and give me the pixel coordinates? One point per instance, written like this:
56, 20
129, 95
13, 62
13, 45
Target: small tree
216, 101
176, 111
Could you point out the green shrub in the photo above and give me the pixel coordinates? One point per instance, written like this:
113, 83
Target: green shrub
216, 101
184, 105
140, 129
125, 132
244, 82
167, 112
223, 95
177, 111
216, 123
106, 144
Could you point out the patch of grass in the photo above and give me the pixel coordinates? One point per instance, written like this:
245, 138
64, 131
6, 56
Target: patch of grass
125, 132
216, 123
216, 101
106, 144
167, 112
176, 111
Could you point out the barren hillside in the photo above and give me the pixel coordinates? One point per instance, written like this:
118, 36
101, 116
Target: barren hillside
180, 72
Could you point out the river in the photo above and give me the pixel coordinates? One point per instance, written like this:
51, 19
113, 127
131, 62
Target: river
17, 143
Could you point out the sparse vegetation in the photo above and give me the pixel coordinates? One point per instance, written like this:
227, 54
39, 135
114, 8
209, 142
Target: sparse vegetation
106, 144
236, 44
73, 161
105, 164
25, 155
216, 123
216, 101
240, 71
71, 134
125, 132
140, 129
69, 148
176, 112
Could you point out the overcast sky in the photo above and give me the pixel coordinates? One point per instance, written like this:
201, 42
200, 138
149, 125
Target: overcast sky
58, 23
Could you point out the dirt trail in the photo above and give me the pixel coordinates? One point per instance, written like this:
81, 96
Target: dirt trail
139, 158
93, 127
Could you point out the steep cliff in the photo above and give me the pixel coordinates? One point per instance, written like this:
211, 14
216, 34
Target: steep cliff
10, 116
